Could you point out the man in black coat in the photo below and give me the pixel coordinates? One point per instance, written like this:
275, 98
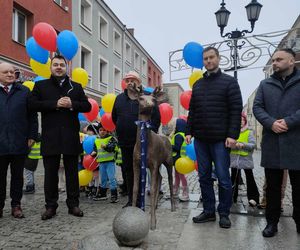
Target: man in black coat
214, 120
18, 130
60, 100
277, 108
124, 114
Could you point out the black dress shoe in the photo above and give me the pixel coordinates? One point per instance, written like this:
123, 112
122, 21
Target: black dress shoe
1, 213
224, 222
270, 230
76, 211
49, 213
204, 217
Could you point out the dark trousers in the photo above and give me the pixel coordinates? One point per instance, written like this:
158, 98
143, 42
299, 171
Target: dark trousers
127, 158
51, 165
252, 190
273, 194
16, 163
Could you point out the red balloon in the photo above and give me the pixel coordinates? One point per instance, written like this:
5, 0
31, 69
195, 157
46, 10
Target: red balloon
123, 85
45, 35
185, 99
92, 115
90, 163
107, 122
183, 117
166, 113
196, 166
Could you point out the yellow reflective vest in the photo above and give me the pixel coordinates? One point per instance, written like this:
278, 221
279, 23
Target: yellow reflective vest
183, 146
118, 156
244, 138
35, 152
102, 155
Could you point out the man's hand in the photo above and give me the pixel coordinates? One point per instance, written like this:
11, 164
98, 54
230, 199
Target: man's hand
30, 142
188, 139
279, 126
64, 102
230, 143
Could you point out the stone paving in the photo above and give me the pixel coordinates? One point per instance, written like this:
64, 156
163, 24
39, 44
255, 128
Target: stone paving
65, 231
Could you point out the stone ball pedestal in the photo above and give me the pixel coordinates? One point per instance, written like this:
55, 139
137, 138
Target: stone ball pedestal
131, 226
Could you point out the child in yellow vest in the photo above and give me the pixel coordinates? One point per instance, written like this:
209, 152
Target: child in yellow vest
105, 150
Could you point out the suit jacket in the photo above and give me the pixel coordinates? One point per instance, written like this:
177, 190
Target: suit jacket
60, 126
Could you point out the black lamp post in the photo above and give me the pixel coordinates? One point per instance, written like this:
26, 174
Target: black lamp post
222, 16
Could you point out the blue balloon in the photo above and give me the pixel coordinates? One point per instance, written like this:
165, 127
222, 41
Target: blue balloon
148, 90
88, 144
101, 112
193, 55
36, 52
81, 117
39, 78
190, 151
67, 44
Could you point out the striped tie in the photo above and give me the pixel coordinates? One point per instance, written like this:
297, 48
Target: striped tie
5, 89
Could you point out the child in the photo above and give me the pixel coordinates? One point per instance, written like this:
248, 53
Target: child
178, 146
105, 148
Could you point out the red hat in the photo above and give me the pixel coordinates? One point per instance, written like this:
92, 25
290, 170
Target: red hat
133, 75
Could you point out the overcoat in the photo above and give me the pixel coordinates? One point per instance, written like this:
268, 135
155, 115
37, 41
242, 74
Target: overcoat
60, 126
272, 102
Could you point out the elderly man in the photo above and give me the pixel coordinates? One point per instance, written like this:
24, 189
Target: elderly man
59, 100
124, 114
18, 130
277, 108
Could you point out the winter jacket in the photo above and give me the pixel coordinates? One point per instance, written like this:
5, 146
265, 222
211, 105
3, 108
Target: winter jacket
273, 102
124, 114
215, 108
17, 123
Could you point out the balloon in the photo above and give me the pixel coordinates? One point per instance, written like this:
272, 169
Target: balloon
190, 151
90, 163
67, 44
185, 99
123, 85
101, 112
108, 102
195, 76
183, 117
29, 84
92, 115
85, 176
148, 90
45, 35
184, 165
88, 144
107, 122
41, 69
38, 78
81, 117
193, 54
36, 52
166, 113
196, 166
80, 75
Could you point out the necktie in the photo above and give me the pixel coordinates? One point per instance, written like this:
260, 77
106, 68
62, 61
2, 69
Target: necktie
5, 89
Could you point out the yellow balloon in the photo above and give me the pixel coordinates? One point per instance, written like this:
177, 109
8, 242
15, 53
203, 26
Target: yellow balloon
80, 76
108, 102
85, 176
41, 69
195, 76
29, 84
184, 165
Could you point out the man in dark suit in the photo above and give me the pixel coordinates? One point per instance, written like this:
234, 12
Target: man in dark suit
60, 100
18, 130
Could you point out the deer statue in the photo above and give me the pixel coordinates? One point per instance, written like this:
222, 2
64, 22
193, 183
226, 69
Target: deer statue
159, 150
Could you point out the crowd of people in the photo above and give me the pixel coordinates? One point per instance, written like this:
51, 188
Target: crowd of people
219, 129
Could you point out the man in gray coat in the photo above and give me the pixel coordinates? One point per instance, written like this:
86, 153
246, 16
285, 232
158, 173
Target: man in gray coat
277, 108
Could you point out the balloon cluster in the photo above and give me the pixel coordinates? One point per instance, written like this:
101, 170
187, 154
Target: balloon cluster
188, 163
45, 39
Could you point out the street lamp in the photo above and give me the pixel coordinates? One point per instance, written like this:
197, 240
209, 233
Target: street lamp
222, 16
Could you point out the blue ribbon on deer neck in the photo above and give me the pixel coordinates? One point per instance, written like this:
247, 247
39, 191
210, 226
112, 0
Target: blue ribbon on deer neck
144, 126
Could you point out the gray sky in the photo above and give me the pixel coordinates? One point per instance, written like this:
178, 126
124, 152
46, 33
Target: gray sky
162, 26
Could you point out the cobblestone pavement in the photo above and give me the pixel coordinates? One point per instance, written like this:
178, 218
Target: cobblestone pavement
64, 231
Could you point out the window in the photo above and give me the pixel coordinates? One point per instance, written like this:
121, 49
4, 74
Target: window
103, 30
128, 53
117, 43
86, 61
136, 61
86, 14
144, 67
103, 75
19, 27
117, 79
